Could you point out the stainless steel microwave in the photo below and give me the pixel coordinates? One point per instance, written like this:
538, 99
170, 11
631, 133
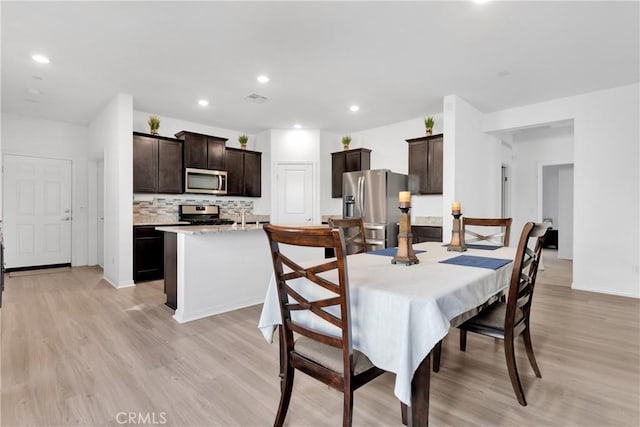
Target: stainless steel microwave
205, 181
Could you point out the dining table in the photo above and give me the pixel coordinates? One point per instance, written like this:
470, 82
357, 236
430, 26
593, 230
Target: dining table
400, 312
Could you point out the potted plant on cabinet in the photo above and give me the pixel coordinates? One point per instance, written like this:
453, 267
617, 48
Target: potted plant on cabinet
242, 139
428, 124
346, 140
154, 124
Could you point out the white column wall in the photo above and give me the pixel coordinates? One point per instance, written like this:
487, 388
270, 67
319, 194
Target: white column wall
27, 136
111, 132
472, 164
329, 143
606, 182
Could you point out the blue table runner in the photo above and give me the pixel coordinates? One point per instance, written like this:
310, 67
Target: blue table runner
391, 251
478, 261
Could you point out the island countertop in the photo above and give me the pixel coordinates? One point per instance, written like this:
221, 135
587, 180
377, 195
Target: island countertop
205, 229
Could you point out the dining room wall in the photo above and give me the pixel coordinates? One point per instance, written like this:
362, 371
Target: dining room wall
606, 181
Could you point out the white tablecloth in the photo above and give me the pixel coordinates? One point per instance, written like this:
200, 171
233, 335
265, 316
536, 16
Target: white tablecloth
398, 312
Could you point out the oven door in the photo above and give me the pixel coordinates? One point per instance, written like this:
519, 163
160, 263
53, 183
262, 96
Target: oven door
205, 181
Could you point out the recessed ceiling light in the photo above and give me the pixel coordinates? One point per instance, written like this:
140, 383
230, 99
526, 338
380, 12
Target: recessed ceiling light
354, 108
41, 59
480, 1
203, 102
297, 126
263, 79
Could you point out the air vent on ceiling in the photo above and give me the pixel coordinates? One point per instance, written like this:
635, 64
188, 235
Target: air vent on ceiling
258, 99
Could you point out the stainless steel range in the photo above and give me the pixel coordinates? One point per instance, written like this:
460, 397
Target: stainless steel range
203, 215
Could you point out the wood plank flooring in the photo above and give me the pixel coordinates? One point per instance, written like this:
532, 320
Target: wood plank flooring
75, 351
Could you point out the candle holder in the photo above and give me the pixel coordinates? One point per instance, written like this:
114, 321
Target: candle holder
405, 254
457, 240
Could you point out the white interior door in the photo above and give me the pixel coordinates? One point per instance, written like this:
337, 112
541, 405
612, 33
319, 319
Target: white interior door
37, 211
294, 183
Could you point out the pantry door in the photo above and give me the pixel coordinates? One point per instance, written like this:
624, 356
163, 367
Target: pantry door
294, 183
37, 211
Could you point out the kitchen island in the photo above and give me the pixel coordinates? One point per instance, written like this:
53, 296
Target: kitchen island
213, 269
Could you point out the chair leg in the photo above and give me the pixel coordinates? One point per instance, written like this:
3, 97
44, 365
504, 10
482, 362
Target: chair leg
532, 358
463, 340
437, 352
285, 397
347, 411
510, 355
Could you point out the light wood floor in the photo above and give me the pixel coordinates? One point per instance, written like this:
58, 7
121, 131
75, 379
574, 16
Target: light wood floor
75, 351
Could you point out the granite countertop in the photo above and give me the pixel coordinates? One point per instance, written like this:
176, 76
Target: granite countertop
156, 220
325, 218
205, 229
427, 221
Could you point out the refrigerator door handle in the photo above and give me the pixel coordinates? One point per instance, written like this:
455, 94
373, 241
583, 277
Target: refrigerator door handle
361, 196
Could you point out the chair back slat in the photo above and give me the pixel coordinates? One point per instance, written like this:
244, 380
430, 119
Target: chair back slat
523, 277
498, 234
354, 234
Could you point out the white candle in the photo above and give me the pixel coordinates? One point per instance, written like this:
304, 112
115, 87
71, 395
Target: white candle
455, 207
404, 197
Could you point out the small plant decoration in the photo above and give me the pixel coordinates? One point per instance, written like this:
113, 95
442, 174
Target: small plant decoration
154, 124
346, 140
242, 139
428, 124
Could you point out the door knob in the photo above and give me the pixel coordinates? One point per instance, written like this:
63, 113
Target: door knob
66, 218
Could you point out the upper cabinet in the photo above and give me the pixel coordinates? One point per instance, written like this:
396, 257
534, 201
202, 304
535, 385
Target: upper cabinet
157, 164
347, 161
244, 173
425, 161
203, 151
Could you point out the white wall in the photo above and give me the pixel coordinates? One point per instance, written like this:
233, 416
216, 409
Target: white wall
110, 132
532, 149
550, 193
299, 145
28, 136
169, 126
606, 182
565, 212
390, 150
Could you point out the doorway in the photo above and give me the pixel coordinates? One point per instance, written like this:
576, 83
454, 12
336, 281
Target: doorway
557, 206
37, 212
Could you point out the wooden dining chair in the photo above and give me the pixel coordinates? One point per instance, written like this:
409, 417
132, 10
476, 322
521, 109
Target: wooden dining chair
508, 319
472, 234
308, 296
354, 234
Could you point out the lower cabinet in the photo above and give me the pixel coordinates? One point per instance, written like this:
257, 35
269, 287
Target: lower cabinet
422, 233
148, 253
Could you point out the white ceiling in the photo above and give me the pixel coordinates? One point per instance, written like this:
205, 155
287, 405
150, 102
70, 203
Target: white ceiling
395, 60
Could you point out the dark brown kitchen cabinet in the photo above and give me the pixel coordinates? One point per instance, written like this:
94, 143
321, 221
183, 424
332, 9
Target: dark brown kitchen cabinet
428, 233
157, 164
425, 162
148, 253
347, 161
244, 173
203, 151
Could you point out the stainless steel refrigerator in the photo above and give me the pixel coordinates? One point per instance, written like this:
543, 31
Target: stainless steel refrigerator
373, 195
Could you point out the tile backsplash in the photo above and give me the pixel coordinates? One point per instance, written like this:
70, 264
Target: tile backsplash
169, 207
